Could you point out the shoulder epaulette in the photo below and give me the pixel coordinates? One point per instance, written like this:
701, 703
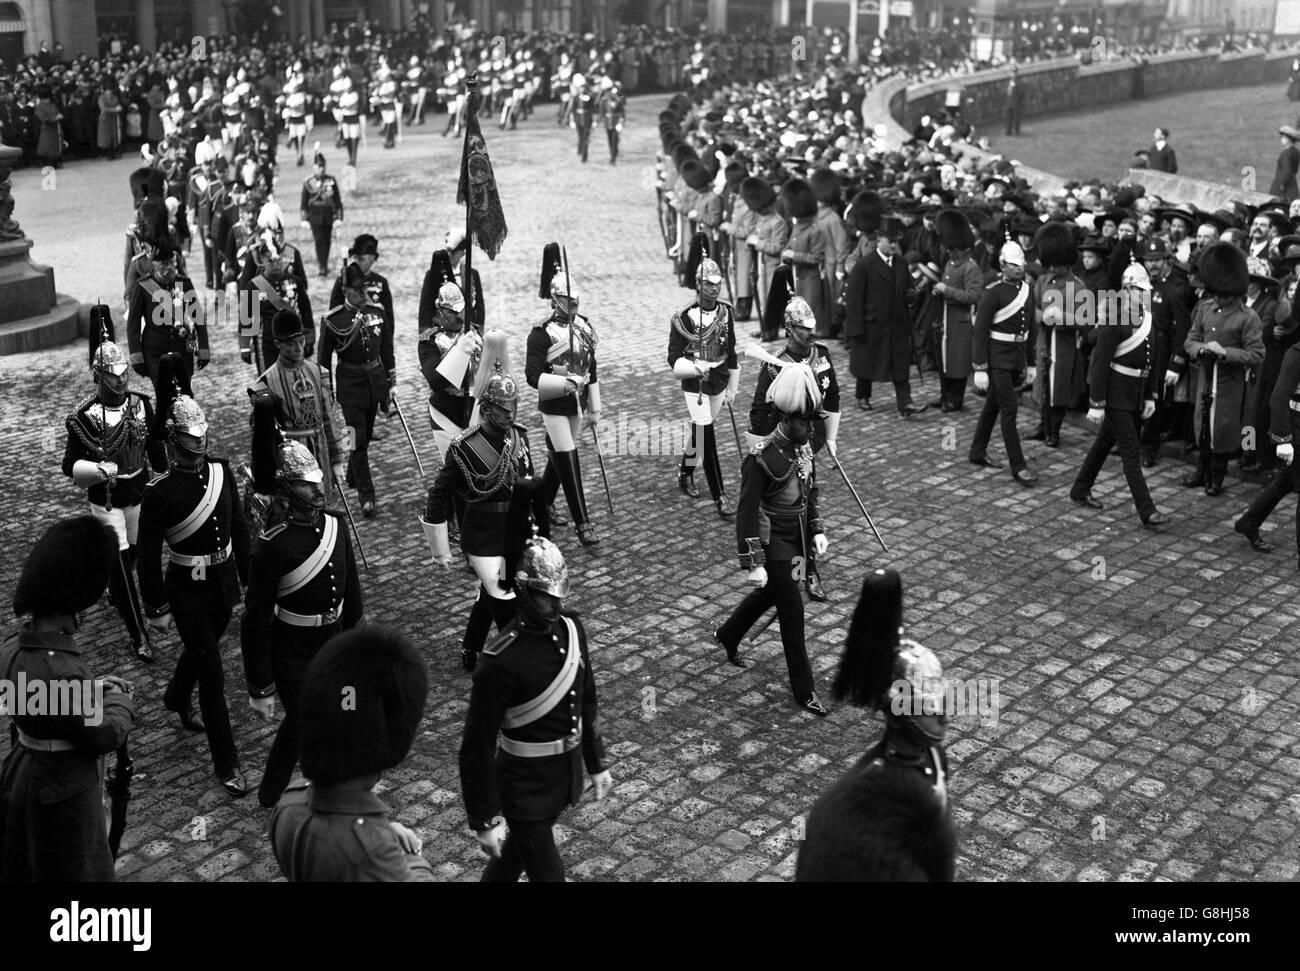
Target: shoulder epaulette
757, 448
465, 435
501, 641
157, 479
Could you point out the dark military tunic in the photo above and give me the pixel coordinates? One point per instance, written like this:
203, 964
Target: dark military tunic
778, 512
163, 320
363, 339
763, 418
98, 433
1004, 327
706, 336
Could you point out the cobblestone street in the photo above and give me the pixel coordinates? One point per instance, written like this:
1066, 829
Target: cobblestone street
1145, 724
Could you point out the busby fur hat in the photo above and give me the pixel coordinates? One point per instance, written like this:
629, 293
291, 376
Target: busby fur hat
865, 211
757, 193
798, 199
695, 175
285, 324
1055, 245
147, 183
735, 173
67, 569
954, 230
1222, 270
825, 185
361, 702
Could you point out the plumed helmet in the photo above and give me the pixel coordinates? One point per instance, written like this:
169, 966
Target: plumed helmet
865, 211
172, 384
361, 701
295, 463
1012, 254
109, 357
501, 390
317, 156
708, 272
1055, 244
798, 199
757, 193
954, 230
542, 568
455, 237
555, 282
799, 314
67, 569
185, 417
1222, 270
450, 297
271, 216
204, 152
794, 391
1135, 275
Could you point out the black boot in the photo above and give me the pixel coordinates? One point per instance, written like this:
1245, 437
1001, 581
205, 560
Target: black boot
129, 606
744, 308
712, 467
686, 467
566, 466
1218, 468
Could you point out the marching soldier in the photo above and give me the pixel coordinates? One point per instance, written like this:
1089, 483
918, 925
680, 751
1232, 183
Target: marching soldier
702, 354
302, 589
339, 83
1226, 340
321, 208
1171, 320
166, 317
489, 468
777, 516
203, 199
385, 99
194, 508
415, 88
1284, 432
294, 113
584, 102
1060, 337
561, 365
443, 267
448, 357
242, 236
362, 334
108, 453
349, 104
800, 347
1004, 325
273, 276
304, 406
1123, 387
364, 252
613, 111
532, 727
960, 289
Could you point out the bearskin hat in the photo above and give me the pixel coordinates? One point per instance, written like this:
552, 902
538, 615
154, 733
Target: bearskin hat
825, 185
735, 173
285, 324
683, 153
67, 569
757, 193
954, 230
147, 183
778, 296
695, 175
361, 703
799, 200
1055, 245
699, 250
1222, 270
865, 211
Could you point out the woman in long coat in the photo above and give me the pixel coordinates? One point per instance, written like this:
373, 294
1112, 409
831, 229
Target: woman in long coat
51, 810
49, 146
109, 135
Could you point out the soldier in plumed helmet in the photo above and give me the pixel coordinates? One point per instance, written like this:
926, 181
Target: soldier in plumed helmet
532, 727
302, 587
887, 818
194, 508
777, 523
702, 354
274, 279
449, 355
561, 365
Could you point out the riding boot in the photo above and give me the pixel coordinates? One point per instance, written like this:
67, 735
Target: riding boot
566, 465
712, 467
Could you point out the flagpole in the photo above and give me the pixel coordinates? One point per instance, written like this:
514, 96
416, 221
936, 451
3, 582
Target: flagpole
471, 85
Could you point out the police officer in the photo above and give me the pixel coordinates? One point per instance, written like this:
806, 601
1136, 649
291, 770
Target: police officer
194, 508
532, 726
1122, 392
321, 208
779, 486
702, 354
361, 332
800, 323
490, 469
302, 588
1004, 327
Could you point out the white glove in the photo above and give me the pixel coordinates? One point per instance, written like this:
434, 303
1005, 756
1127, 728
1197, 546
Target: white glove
1286, 453
263, 707
1148, 409
108, 470
340, 471
1031, 374
1171, 378
489, 841
603, 782
728, 394
1095, 415
757, 577
981, 380
593, 418
832, 449
160, 623
578, 381
820, 544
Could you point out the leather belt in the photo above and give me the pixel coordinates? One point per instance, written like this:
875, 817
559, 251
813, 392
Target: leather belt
538, 750
490, 506
331, 616
212, 559
1132, 372
787, 512
999, 335
300, 432
45, 744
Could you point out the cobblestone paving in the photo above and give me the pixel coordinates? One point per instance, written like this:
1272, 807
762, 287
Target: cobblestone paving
1146, 683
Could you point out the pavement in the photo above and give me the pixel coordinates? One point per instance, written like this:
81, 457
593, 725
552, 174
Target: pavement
1132, 694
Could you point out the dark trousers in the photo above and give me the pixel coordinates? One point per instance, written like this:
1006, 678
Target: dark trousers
1117, 427
1000, 403
1284, 482
362, 422
952, 391
200, 663
1051, 417
584, 139
902, 392
612, 134
529, 848
704, 438
126, 598
284, 750
158, 341
322, 234
486, 610
781, 590
1155, 426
